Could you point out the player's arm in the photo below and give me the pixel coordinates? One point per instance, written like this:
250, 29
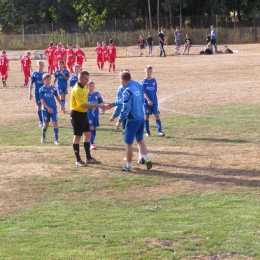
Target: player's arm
31, 66
21, 67
150, 103
50, 110
30, 89
8, 68
55, 80
126, 108
65, 75
58, 99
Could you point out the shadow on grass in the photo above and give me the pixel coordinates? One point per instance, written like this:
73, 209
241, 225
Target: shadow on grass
211, 179
122, 148
220, 140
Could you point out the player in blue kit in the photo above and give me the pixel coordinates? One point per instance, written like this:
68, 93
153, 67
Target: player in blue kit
62, 75
49, 108
75, 77
213, 36
36, 80
151, 102
132, 112
177, 36
93, 113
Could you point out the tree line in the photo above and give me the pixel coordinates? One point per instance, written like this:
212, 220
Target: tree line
93, 13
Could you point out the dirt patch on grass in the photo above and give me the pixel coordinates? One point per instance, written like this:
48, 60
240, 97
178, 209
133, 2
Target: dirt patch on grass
166, 243
222, 256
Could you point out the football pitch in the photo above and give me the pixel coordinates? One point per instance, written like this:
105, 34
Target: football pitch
201, 200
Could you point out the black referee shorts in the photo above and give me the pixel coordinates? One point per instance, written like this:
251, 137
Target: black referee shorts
79, 122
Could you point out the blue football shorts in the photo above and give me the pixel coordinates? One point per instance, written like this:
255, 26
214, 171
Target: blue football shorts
37, 99
134, 130
93, 121
48, 116
63, 90
151, 110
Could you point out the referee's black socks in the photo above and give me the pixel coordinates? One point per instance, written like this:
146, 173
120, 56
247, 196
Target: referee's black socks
76, 151
87, 150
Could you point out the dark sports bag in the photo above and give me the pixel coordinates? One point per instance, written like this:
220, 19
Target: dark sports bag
202, 52
208, 51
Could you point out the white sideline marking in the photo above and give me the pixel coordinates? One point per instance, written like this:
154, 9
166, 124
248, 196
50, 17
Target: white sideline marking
161, 101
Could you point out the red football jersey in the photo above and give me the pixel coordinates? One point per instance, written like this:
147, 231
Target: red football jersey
26, 62
104, 50
111, 49
98, 50
79, 55
49, 52
70, 55
3, 62
58, 55
64, 52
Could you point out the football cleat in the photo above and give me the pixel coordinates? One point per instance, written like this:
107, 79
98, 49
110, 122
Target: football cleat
149, 164
81, 164
93, 161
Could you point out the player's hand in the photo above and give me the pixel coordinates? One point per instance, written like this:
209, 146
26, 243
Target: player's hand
112, 119
109, 105
62, 108
102, 107
30, 96
150, 103
118, 124
50, 110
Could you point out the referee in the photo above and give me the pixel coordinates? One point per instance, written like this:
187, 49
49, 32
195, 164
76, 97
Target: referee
161, 41
79, 120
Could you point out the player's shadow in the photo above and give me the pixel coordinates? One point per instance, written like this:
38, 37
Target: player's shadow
220, 140
209, 178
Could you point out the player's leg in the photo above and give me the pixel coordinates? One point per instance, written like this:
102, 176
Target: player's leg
46, 116
54, 120
141, 145
62, 94
130, 132
26, 78
188, 49
156, 113
148, 112
39, 108
114, 66
86, 141
78, 127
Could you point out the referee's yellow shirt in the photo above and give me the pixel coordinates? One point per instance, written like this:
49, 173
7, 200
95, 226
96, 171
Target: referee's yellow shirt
79, 96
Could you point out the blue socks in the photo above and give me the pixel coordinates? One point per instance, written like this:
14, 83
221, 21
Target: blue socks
44, 132
40, 116
56, 134
93, 135
63, 103
159, 125
147, 128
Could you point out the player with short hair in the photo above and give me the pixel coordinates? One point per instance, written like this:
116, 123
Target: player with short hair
75, 77
187, 44
149, 41
49, 108
141, 44
70, 57
213, 35
161, 41
94, 97
177, 37
26, 68
98, 51
151, 103
104, 53
132, 111
50, 54
79, 119
111, 50
37, 81
80, 55
62, 75
4, 67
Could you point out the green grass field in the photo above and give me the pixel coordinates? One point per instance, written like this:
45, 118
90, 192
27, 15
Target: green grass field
201, 200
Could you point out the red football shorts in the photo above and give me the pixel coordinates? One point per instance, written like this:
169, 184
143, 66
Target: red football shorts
27, 73
111, 59
50, 61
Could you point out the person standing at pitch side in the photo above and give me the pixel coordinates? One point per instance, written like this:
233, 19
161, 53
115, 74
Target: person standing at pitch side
161, 41
213, 36
79, 119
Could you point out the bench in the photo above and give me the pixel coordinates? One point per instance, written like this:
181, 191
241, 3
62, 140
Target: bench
39, 55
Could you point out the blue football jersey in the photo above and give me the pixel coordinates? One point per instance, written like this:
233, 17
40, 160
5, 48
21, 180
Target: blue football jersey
213, 32
94, 98
61, 82
73, 80
150, 88
36, 79
47, 94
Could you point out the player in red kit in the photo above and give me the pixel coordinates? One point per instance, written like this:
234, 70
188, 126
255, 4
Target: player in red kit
4, 67
98, 51
50, 54
80, 55
64, 52
111, 50
70, 57
104, 52
58, 55
26, 68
